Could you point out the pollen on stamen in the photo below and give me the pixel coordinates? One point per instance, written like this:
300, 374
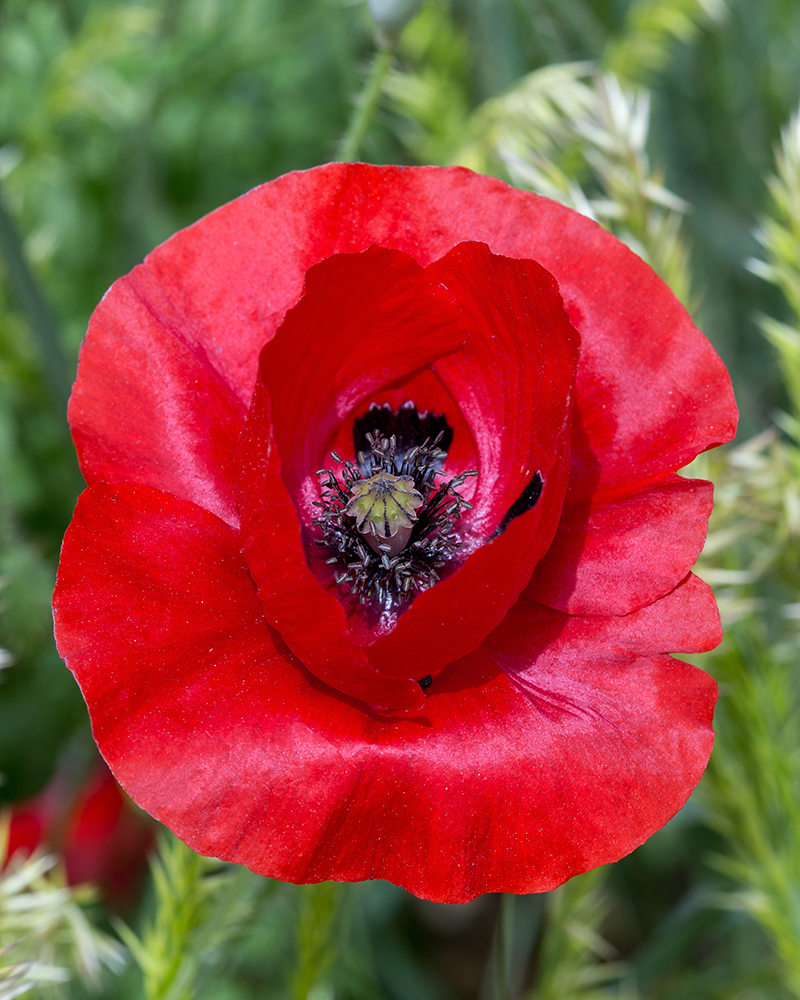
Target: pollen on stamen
389, 528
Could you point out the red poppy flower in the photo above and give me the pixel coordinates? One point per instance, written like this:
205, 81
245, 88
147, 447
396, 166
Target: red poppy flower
395, 670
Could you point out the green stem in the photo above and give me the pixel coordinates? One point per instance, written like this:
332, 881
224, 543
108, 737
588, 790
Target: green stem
318, 907
504, 945
44, 326
365, 107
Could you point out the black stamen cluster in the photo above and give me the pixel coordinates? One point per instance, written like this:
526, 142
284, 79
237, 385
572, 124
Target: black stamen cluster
383, 579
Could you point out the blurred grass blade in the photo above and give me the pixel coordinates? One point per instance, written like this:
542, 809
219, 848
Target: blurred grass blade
575, 961
779, 235
503, 948
516, 934
319, 907
753, 788
43, 324
652, 28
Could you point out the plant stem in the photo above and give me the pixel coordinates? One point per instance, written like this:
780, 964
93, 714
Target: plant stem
365, 106
504, 945
318, 908
44, 326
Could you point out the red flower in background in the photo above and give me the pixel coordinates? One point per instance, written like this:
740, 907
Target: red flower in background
99, 834
498, 712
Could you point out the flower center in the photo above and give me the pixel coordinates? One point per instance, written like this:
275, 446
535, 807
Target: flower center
388, 526
384, 508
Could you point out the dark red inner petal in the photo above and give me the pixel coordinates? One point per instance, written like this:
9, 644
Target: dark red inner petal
309, 617
451, 619
367, 330
366, 320
425, 390
513, 381
514, 377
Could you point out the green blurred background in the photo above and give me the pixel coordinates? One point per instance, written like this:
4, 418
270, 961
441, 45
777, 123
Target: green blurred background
121, 122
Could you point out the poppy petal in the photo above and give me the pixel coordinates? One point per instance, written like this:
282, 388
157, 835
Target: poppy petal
217, 731
685, 620
148, 408
617, 557
425, 390
365, 320
130, 536
513, 380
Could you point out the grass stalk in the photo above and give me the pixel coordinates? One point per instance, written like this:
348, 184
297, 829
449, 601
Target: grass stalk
365, 106
44, 326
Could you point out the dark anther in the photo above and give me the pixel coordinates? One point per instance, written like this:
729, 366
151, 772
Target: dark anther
426, 682
408, 426
524, 502
391, 572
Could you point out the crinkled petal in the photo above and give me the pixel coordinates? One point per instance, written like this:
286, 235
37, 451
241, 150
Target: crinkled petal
617, 557
513, 378
534, 761
364, 321
425, 390
685, 620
